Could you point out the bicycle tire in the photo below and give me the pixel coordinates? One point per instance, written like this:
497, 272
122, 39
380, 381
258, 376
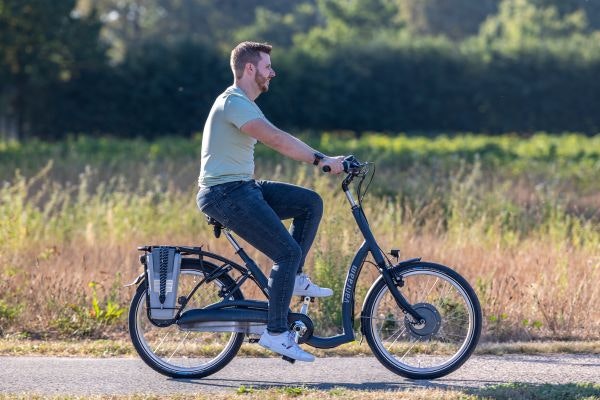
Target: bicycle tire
433, 349
178, 353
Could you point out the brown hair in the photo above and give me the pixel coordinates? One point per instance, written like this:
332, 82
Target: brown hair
247, 52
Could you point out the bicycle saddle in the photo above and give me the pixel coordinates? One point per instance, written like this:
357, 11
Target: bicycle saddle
217, 225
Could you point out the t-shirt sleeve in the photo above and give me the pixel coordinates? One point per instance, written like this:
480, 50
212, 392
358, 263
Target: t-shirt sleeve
238, 111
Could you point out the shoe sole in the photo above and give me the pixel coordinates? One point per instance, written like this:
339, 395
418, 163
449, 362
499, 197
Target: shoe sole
287, 355
311, 295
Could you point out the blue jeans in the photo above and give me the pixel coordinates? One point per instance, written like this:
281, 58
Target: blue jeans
254, 210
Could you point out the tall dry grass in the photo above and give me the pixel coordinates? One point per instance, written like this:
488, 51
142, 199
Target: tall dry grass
527, 240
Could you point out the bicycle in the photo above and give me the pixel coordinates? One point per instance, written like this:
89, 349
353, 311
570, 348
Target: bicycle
421, 320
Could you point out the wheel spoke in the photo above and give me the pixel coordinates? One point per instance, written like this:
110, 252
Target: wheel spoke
446, 290
410, 348
178, 346
431, 288
161, 342
395, 340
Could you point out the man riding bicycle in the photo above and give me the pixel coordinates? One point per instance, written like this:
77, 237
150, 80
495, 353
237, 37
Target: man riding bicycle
254, 209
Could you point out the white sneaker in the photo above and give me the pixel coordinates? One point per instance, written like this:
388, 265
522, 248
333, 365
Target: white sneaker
285, 344
304, 287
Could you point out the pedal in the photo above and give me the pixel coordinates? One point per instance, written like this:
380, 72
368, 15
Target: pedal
253, 340
288, 359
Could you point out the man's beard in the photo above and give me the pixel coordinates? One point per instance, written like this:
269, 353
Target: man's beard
261, 81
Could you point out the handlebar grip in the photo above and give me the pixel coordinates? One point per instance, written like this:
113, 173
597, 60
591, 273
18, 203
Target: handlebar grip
345, 163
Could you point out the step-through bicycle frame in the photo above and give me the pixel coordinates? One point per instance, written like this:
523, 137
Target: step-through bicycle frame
369, 245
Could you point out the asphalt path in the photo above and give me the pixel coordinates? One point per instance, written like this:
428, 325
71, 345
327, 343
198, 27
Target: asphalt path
98, 376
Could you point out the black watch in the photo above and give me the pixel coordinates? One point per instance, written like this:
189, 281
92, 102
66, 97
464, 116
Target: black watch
318, 158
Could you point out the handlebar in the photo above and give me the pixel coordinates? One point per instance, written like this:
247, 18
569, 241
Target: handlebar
351, 165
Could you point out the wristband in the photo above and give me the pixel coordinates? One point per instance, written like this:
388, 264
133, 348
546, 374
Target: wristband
318, 158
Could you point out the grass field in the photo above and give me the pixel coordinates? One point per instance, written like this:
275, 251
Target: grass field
102, 348
518, 217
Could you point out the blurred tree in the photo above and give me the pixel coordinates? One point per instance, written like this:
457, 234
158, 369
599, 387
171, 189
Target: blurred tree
455, 19
532, 66
362, 14
521, 22
280, 29
42, 43
127, 23
354, 23
158, 89
591, 9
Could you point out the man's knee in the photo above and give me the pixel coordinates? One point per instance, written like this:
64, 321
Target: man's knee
288, 253
316, 203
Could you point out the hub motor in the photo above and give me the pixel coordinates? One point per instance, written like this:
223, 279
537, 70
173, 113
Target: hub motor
426, 330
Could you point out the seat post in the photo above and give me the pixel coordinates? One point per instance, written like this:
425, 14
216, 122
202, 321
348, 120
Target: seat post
255, 271
232, 240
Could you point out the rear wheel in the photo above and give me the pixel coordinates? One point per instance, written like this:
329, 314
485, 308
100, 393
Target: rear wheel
439, 345
183, 353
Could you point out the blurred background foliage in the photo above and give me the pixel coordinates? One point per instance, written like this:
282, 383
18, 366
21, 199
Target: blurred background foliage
153, 67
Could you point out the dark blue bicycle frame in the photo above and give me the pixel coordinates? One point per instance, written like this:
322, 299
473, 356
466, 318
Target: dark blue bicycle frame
369, 245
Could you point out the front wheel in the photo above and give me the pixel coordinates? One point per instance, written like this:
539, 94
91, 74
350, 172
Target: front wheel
431, 349
180, 353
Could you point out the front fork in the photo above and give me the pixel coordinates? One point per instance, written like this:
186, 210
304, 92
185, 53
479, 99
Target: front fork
392, 284
390, 281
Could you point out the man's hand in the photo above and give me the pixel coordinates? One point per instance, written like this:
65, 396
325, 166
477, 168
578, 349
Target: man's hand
335, 163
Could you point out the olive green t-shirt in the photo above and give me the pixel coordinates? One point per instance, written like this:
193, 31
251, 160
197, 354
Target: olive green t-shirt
227, 152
